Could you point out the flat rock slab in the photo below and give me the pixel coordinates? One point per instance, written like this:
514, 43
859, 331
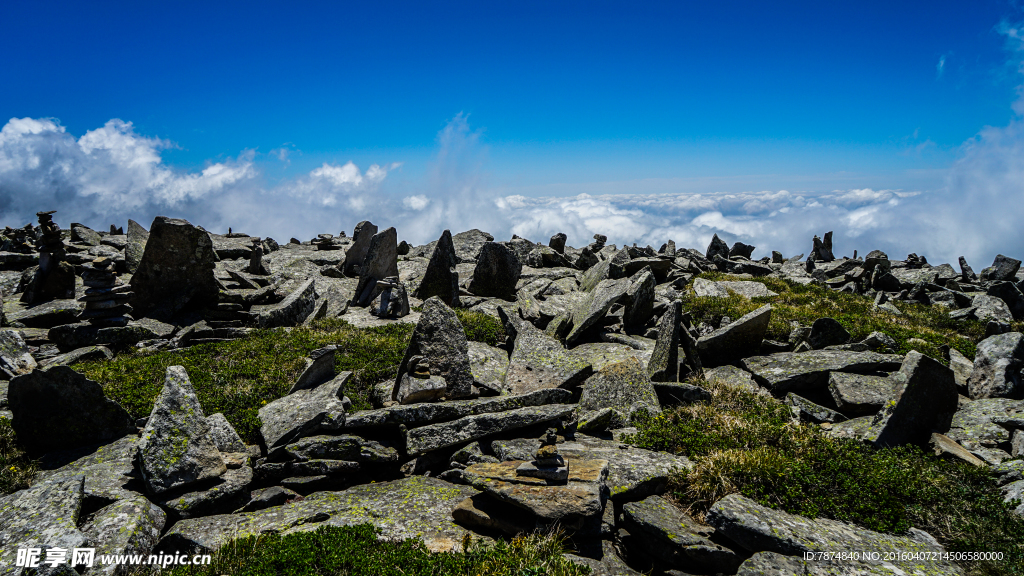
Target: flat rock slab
859, 394
667, 533
540, 361
760, 529
415, 415
796, 371
229, 492
987, 423
45, 315
344, 447
436, 436
488, 365
46, 514
925, 399
633, 473
620, 386
601, 354
305, 413
82, 334
414, 507
289, 312
361, 318
740, 338
129, 526
109, 471
721, 289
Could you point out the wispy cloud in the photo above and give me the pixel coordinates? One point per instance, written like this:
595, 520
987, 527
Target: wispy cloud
941, 66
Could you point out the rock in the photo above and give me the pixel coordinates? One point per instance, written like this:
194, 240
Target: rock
289, 312
879, 341
793, 372
594, 306
412, 389
126, 527
1009, 294
732, 376
15, 358
569, 505
607, 563
997, 366
84, 235
475, 427
304, 413
808, 411
440, 341
44, 315
736, 340
962, 368
1003, 268
746, 288
483, 512
380, 262
488, 366
226, 493
987, 308
742, 250
619, 386
84, 334
414, 507
109, 471
664, 363
57, 408
264, 498
557, 242
422, 414
136, 245
860, 394
440, 278
319, 368
760, 529
924, 402
705, 288
827, 332
497, 272
344, 447
944, 446
660, 530
539, 361
46, 514
224, 436
717, 247
640, 298
986, 423
176, 269
176, 449
361, 237
83, 354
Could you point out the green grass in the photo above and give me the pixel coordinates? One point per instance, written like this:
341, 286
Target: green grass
356, 551
807, 303
16, 470
741, 442
481, 327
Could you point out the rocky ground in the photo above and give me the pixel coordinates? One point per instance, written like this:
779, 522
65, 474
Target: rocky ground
504, 388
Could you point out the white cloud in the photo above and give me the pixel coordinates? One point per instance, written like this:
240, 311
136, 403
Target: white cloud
418, 202
941, 66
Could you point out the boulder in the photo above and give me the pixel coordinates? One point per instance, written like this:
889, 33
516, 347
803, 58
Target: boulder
1009, 294
986, 423
45, 515
997, 366
440, 278
808, 411
640, 298
717, 247
962, 368
860, 394
15, 358
924, 401
594, 306
263, 498
497, 272
661, 530
539, 361
344, 447
380, 262
126, 527
83, 354
987, 308
226, 493
757, 528
176, 270
742, 250
468, 428
176, 449
1003, 269
84, 235
440, 341
57, 408
136, 246
737, 340
664, 363
304, 413
84, 334
422, 414
412, 389
319, 368
621, 387
796, 371
109, 471
224, 436
361, 236
488, 365
827, 332
289, 312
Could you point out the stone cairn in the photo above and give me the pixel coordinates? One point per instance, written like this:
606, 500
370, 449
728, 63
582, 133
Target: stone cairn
393, 300
19, 239
256, 257
106, 301
55, 278
547, 464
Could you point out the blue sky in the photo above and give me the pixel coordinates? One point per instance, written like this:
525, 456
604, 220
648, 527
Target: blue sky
540, 100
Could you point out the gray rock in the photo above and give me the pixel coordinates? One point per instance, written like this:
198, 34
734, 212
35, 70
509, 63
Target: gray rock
361, 237
860, 394
924, 401
380, 262
661, 530
760, 529
440, 278
705, 288
176, 269
343, 447
488, 365
962, 368
468, 428
414, 507
57, 408
671, 393
640, 298
176, 449
594, 306
15, 358
946, 447
304, 413
136, 245
736, 340
84, 334
997, 366
717, 247
664, 363
226, 493
291, 311
497, 272
264, 498
987, 308
84, 235
46, 514
733, 376
109, 470
422, 414
224, 435
827, 332
319, 368
808, 411
793, 372
126, 527
1003, 268
83, 354
1011, 295
412, 389
987, 423
539, 361
620, 386
440, 341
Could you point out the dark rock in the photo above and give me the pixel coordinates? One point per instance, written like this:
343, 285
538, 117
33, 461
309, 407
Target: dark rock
822, 250
717, 247
440, 278
47, 514
997, 366
264, 498
736, 340
539, 361
808, 411
84, 235
136, 245
827, 332
356, 253
15, 358
441, 342
859, 394
57, 408
224, 436
486, 513
126, 527
304, 413
497, 272
1003, 268
664, 363
176, 269
557, 242
344, 447
44, 315
640, 298
80, 355
380, 262
468, 428
109, 470
84, 334
594, 306
741, 249
924, 402
661, 530
291, 311
793, 371
421, 414
1011, 295
319, 368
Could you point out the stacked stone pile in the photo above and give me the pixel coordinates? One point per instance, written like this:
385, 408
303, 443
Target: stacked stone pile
106, 301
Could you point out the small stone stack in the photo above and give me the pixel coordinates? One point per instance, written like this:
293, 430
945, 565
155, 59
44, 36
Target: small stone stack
55, 278
393, 301
106, 301
19, 239
256, 257
547, 464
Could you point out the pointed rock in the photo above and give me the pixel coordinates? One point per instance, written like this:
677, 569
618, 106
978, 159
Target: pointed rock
356, 253
224, 435
664, 363
129, 526
594, 306
380, 262
497, 272
441, 342
640, 298
47, 514
440, 278
176, 449
176, 269
557, 242
925, 400
966, 272
827, 332
620, 386
739, 339
1003, 268
717, 247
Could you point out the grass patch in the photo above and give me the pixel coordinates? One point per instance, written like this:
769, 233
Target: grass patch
481, 327
744, 442
356, 551
16, 470
807, 303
